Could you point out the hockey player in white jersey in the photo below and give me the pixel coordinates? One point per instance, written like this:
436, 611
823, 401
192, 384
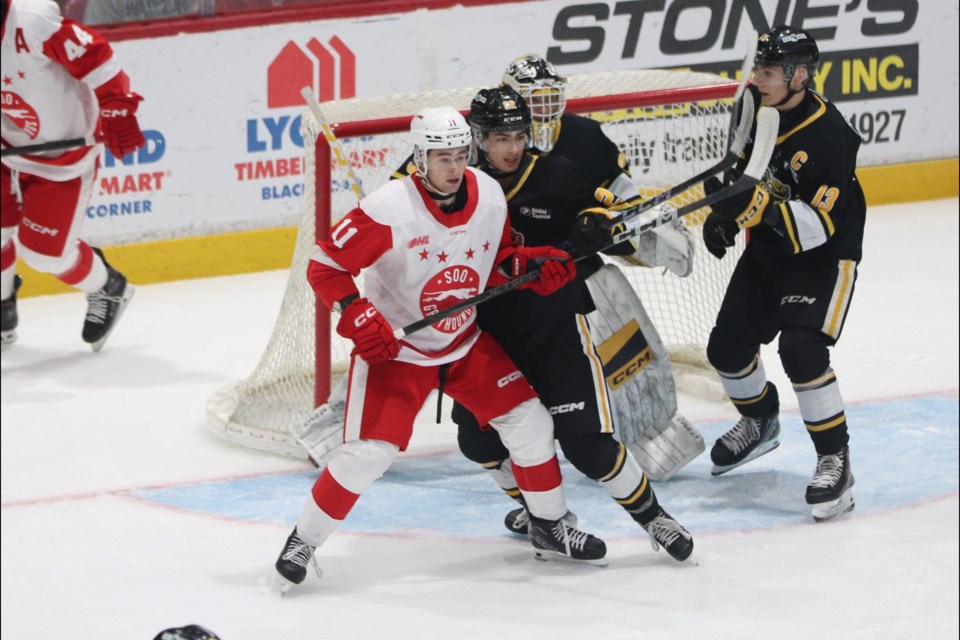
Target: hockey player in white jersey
648, 419
61, 81
444, 229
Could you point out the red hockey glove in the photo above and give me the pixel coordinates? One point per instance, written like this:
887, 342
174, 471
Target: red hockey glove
557, 270
556, 267
118, 124
370, 331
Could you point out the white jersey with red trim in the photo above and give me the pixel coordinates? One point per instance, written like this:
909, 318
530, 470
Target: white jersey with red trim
50, 68
417, 260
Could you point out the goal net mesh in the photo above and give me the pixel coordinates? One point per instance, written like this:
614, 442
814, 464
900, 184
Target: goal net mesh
670, 125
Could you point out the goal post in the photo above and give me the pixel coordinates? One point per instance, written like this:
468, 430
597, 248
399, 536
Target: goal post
670, 125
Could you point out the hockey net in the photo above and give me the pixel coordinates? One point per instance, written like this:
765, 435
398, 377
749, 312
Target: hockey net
671, 125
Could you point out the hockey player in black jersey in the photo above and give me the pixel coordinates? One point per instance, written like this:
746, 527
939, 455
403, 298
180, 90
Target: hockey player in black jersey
796, 277
550, 340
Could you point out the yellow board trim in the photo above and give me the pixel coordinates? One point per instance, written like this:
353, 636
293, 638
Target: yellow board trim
183, 259
893, 183
267, 249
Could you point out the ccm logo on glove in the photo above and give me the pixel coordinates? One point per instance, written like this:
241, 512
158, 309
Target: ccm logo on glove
367, 314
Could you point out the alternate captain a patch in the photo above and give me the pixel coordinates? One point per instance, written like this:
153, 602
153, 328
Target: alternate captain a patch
624, 354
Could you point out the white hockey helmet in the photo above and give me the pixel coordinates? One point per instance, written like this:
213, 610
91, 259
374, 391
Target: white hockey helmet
544, 91
438, 128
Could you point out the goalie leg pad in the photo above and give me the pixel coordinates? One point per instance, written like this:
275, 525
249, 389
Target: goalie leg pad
321, 434
639, 378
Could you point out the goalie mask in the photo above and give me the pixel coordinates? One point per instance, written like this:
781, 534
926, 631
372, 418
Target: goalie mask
788, 48
538, 82
438, 128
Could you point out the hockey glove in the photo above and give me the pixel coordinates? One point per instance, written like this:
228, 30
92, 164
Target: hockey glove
370, 331
118, 124
747, 209
556, 267
591, 232
719, 233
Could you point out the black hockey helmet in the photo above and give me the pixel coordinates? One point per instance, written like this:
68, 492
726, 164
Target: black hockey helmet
498, 109
189, 632
788, 48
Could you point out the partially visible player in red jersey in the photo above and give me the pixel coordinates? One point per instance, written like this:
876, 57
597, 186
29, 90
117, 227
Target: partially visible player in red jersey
423, 244
60, 80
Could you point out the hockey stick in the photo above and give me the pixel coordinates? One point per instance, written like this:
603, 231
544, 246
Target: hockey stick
88, 141
739, 128
768, 122
317, 112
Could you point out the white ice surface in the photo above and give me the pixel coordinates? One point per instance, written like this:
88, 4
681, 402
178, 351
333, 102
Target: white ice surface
83, 558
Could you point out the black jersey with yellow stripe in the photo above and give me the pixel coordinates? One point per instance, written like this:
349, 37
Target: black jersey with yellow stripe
544, 198
812, 182
583, 142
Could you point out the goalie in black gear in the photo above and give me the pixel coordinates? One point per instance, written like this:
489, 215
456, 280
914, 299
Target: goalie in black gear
551, 339
796, 277
582, 141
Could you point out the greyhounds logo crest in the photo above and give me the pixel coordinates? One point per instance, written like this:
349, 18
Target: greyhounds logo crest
21, 113
449, 287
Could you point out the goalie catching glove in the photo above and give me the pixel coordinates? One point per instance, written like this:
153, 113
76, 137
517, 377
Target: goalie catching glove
556, 268
741, 211
369, 331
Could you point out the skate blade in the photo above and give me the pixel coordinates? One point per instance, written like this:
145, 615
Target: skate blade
765, 448
7, 339
545, 555
828, 510
127, 297
275, 585
656, 547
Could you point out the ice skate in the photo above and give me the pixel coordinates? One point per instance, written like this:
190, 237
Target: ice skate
830, 492
8, 316
105, 306
518, 521
291, 566
555, 540
749, 439
666, 532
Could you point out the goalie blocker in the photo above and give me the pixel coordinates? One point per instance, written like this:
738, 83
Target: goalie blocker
639, 378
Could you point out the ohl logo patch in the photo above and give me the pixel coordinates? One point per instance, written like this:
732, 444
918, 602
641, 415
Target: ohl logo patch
449, 287
331, 71
21, 113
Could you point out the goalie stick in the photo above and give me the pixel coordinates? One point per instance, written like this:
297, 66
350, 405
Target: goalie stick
56, 145
328, 134
768, 123
739, 128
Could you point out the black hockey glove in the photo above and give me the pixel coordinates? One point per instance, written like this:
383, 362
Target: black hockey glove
719, 233
591, 232
746, 209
